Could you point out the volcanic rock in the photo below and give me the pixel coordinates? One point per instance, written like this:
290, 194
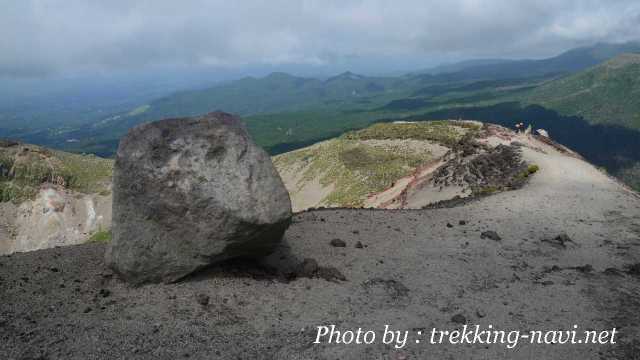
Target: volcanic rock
459, 319
192, 192
490, 234
337, 243
308, 268
203, 299
560, 241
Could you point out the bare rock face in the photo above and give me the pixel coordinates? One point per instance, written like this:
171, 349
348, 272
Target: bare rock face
189, 193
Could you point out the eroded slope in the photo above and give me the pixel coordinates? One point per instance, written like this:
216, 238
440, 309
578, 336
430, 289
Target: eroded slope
50, 198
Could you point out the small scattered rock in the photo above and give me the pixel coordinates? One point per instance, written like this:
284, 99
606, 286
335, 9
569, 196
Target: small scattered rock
394, 288
308, 268
554, 268
459, 319
104, 292
490, 234
87, 310
338, 243
203, 299
559, 241
480, 313
359, 245
462, 222
330, 273
584, 268
449, 225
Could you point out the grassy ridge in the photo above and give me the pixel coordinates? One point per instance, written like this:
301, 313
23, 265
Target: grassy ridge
607, 94
354, 167
24, 168
446, 133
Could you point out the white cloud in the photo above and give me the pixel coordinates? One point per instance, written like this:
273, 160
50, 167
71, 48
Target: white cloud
48, 35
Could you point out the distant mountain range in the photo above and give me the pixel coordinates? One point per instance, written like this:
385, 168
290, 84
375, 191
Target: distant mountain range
285, 112
280, 92
567, 62
273, 93
460, 65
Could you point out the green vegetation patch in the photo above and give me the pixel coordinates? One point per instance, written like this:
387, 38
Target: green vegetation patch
139, 110
485, 190
443, 132
101, 237
86, 173
530, 170
12, 192
25, 168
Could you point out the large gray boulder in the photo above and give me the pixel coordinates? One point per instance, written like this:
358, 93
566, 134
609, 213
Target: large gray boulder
188, 193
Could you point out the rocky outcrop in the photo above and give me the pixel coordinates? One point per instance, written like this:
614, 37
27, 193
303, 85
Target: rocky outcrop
51, 198
189, 193
495, 168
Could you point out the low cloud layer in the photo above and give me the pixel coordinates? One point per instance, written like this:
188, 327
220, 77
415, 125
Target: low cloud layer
48, 36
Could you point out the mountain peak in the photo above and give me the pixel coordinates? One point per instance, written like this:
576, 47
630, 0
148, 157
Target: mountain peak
347, 75
279, 75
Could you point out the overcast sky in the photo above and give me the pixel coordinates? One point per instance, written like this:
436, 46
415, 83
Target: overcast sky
49, 37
